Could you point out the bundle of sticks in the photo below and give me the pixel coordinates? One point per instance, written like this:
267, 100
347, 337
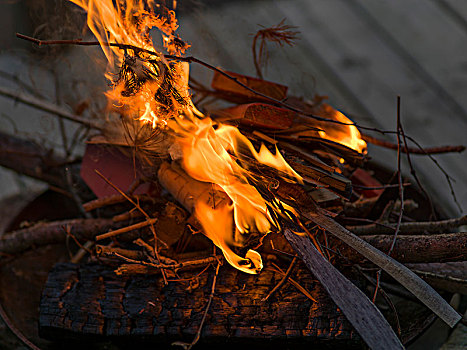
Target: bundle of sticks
351, 212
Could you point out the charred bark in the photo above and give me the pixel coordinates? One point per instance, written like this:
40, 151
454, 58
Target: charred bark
91, 301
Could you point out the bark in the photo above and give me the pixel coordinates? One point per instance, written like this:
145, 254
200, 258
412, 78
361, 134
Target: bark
53, 232
416, 249
411, 228
92, 301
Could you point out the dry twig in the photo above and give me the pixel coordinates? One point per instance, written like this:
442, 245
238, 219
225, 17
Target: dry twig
279, 34
413, 150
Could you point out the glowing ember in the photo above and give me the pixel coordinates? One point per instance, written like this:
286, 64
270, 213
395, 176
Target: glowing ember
155, 91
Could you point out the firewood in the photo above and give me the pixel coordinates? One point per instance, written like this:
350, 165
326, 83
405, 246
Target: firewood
187, 190
359, 310
332, 181
222, 83
417, 249
53, 232
98, 303
411, 228
399, 272
449, 276
258, 115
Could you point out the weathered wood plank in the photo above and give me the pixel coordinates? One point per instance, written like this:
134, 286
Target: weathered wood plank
427, 40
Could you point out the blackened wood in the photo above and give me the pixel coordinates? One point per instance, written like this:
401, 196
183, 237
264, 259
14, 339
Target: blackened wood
90, 300
359, 310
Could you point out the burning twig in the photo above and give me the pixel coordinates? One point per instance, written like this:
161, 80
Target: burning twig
126, 229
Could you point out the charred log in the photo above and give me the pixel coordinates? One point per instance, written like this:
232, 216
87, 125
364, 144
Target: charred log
92, 301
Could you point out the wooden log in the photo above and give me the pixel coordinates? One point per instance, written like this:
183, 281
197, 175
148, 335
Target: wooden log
52, 232
91, 301
411, 228
416, 249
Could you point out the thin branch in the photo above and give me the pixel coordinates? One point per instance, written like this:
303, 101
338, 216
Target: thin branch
47, 107
425, 151
282, 281
401, 194
188, 346
126, 229
411, 228
191, 59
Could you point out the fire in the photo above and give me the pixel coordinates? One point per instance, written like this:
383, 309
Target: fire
347, 135
154, 90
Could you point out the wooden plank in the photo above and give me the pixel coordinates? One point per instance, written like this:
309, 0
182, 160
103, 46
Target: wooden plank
427, 40
374, 71
356, 306
232, 27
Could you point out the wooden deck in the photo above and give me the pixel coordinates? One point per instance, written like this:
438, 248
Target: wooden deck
362, 54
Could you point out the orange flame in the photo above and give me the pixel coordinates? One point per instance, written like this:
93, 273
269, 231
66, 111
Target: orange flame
155, 91
347, 135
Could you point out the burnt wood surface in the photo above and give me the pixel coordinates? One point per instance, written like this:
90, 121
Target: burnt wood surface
90, 302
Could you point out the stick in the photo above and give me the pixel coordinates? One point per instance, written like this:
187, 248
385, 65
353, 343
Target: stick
359, 310
401, 193
410, 228
126, 229
47, 107
413, 150
402, 274
148, 218
114, 199
188, 346
412, 249
282, 281
48, 233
